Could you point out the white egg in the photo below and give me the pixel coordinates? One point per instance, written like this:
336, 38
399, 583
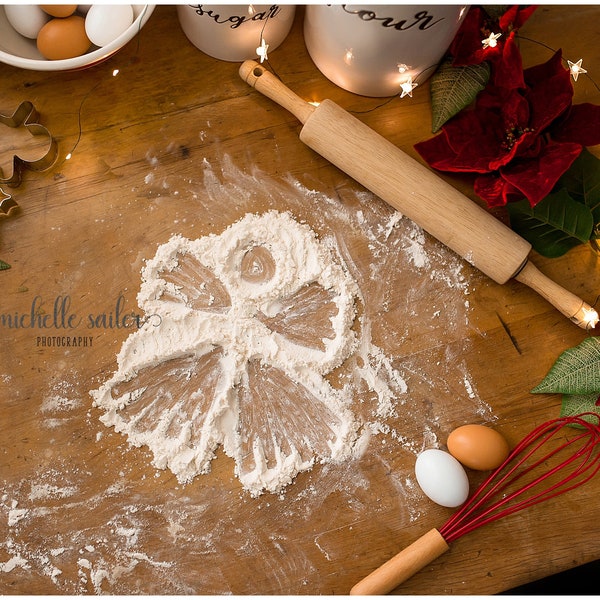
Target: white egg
442, 478
26, 19
105, 23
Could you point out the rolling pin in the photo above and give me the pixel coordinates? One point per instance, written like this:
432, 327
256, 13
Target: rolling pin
418, 193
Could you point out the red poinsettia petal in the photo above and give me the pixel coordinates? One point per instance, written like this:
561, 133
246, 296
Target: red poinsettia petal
491, 189
508, 68
468, 143
466, 46
535, 177
492, 98
515, 16
480, 125
581, 125
511, 193
507, 19
520, 147
515, 110
549, 91
495, 190
539, 73
529, 145
523, 15
436, 151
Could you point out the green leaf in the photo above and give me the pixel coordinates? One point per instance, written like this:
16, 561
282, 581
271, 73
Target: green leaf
4, 266
454, 88
582, 181
575, 372
554, 225
577, 404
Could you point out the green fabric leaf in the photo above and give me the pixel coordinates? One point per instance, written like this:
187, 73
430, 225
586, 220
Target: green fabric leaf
454, 88
4, 266
575, 372
582, 181
577, 404
554, 225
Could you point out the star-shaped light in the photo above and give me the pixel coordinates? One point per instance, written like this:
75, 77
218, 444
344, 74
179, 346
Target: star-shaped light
491, 41
407, 87
262, 50
590, 317
576, 68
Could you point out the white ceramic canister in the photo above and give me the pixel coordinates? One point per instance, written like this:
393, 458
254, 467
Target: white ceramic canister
372, 49
234, 32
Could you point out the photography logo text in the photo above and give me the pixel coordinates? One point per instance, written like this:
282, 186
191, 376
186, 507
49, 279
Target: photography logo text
59, 323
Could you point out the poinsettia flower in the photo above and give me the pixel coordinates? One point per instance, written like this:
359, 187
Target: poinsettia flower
521, 141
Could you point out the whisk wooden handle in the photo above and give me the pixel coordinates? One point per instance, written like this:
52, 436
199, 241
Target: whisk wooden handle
404, 565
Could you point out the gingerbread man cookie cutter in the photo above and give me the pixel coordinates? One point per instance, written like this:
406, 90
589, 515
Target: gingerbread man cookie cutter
25, 116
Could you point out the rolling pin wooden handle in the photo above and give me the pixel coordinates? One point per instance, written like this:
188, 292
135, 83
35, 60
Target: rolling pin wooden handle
404, 565
570, 305
267, 84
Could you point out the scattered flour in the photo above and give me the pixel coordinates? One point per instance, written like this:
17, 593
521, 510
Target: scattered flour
12, 563
124, 532
46, 490
16, 514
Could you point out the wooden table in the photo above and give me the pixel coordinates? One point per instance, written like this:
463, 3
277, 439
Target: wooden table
176, 143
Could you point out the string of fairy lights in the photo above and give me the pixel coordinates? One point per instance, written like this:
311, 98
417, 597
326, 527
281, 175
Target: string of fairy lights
407, 83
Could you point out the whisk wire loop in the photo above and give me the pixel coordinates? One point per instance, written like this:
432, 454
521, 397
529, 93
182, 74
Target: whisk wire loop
581, 463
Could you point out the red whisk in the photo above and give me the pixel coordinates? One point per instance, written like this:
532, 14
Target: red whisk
567, 465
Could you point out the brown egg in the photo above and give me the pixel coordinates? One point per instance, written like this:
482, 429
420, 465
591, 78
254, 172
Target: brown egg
478, 447
59, 10
63, 38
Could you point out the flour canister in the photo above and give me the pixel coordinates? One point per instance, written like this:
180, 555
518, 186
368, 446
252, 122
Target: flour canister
372, 50
235, 32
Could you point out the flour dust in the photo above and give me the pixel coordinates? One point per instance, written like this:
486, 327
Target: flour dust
284, 381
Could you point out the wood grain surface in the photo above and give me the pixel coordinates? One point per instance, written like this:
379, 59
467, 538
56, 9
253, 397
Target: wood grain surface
177, 143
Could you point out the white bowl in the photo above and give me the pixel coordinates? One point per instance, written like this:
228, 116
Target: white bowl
22, 52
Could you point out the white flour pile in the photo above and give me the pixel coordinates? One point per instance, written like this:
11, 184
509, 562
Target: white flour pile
242, 329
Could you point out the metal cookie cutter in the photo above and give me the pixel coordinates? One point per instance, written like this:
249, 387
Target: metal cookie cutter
25, 116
